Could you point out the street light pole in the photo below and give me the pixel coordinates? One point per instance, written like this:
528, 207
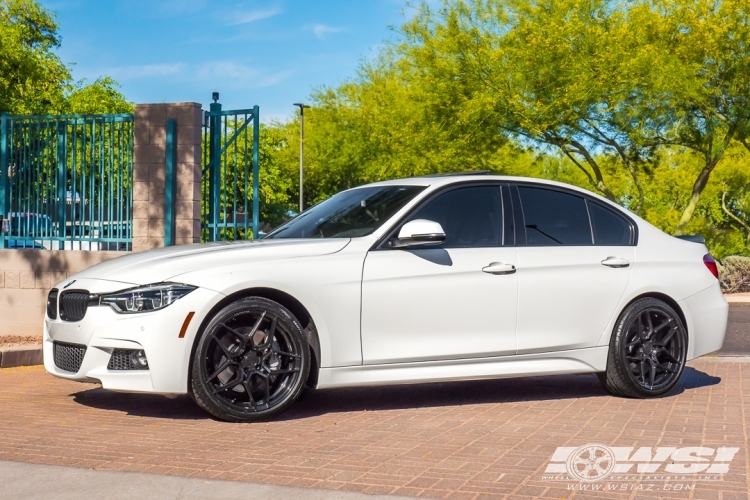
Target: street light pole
301, 152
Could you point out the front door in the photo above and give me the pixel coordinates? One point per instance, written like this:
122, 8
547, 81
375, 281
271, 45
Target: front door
454, 301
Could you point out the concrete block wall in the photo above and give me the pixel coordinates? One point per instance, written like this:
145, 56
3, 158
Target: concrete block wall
149, 171
26, 276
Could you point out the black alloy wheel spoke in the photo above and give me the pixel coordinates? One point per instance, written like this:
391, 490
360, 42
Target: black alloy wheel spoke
256, 325
279, 372
226, 364
665, 323
642, 372
233, 382
283, 353
227, 352
640, 327
249, 391
669, 355
667, 368
667, 338
269, 336
652, 374
650, 324
243, 338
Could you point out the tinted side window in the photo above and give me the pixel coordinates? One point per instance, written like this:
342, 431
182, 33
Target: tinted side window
470, 216
554, 218
609, 228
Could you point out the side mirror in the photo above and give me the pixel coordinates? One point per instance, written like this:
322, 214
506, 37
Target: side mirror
419, 233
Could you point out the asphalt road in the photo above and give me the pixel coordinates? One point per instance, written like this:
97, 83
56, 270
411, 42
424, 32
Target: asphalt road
737, 340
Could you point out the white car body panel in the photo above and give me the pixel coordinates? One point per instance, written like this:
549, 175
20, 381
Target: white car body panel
415, 306
328, 286
344, 286
578, 361
561, 285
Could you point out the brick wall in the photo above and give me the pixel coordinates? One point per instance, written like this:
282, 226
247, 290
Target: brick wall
26, 277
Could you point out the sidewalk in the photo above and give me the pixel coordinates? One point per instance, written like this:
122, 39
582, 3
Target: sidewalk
51, 482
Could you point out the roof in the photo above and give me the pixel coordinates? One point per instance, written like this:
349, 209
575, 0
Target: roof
439, 181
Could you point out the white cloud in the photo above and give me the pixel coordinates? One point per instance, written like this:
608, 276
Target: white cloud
321, 30
144, 71
236, 75
252, 16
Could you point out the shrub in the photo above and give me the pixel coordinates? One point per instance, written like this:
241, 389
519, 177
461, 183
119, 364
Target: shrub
734, 274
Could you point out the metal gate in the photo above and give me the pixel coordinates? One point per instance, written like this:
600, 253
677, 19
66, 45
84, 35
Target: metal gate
66, 181
230, 202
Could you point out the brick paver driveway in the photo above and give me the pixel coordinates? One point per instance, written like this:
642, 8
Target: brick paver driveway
461, 440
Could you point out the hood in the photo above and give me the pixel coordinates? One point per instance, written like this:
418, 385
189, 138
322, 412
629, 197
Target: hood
162, 264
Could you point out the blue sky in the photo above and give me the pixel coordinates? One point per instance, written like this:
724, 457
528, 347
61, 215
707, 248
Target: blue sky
271, 53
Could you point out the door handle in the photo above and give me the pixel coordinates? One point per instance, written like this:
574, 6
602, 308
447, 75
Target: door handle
616, 262
499, 268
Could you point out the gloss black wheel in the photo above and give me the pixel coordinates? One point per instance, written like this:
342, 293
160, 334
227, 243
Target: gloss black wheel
647, 352
251, 361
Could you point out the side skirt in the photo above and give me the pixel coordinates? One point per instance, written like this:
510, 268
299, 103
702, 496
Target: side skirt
588, 360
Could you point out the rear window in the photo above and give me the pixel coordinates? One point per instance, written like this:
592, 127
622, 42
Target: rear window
610, 229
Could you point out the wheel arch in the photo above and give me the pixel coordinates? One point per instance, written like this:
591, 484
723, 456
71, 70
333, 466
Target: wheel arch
295, 307
654, 295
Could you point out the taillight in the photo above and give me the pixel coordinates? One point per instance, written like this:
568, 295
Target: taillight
711, 265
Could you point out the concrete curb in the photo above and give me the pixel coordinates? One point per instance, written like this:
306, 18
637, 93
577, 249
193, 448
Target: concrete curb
24, 355
735, 298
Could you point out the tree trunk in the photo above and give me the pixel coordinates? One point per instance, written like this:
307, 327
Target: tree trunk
698, 187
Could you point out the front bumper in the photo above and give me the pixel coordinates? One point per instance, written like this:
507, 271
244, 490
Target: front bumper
102, 331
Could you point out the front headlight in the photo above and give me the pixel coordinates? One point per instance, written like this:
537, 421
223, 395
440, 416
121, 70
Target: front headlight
145, 298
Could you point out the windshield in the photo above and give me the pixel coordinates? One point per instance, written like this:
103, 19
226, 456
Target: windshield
357, 212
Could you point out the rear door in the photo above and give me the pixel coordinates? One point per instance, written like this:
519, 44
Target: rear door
575, 257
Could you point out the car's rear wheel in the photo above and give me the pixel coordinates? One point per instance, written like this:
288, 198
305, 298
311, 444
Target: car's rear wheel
251, 361
647, 352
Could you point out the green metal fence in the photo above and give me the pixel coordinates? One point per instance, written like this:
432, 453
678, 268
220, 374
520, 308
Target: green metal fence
66, 181
230, 202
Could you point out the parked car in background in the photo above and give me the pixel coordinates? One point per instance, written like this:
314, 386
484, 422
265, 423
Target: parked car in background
413, 280
30, 224
24, 245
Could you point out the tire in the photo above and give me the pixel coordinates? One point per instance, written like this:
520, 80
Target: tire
647, 352
251, 362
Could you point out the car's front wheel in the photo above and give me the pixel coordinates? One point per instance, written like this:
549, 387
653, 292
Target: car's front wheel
647, 352
251, 361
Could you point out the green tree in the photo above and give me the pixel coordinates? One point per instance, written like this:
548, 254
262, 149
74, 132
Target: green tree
710, 41
32, 77
101, 96
33, 80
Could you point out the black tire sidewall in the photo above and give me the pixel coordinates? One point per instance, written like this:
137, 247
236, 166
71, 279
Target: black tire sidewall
618, 374
199, 386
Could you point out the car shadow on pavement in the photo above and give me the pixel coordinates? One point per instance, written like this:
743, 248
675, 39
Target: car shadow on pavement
513, 390
179, 407
394, 397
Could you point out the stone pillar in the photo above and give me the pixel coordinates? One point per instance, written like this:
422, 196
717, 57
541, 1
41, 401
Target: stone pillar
149, 171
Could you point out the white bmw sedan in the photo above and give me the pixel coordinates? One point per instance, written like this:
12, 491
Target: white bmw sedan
414, 280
